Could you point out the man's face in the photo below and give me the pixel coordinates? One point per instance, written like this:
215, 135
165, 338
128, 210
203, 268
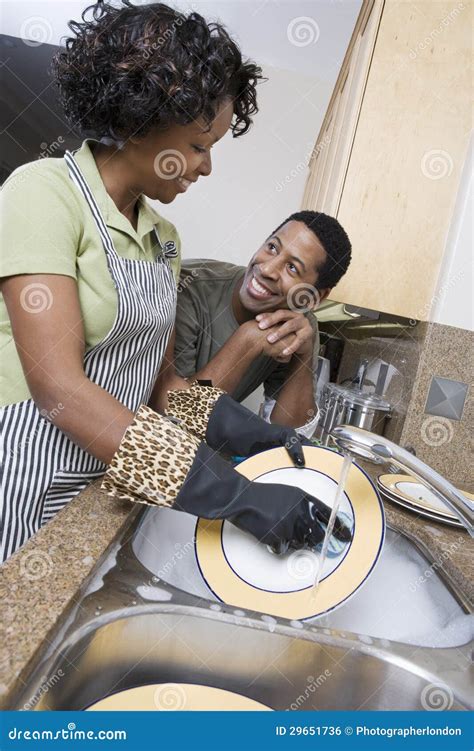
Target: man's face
292, 256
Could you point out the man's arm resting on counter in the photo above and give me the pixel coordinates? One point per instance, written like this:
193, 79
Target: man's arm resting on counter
294, 334
51, 348
295, 401
229, 365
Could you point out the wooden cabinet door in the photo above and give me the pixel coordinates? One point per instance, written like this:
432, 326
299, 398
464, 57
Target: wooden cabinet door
331, 154
400, 180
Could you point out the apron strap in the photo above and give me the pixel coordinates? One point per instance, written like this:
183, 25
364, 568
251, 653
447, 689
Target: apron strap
168, 249
79, 180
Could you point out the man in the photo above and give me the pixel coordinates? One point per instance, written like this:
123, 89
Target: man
241, 327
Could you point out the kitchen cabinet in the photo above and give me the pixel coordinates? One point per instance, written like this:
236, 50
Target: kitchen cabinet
388, 158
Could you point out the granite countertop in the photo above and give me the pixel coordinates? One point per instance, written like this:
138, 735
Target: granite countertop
42, 578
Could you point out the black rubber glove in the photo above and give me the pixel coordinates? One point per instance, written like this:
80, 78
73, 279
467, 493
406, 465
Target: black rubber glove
235, 429
214, 416
161, 464
277, 515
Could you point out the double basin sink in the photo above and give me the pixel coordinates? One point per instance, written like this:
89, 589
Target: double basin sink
129, 627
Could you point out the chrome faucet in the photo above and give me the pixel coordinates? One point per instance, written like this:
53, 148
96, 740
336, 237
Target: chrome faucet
363, 444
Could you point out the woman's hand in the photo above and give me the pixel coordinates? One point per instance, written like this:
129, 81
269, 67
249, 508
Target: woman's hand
228, 426
162, 464
277, 515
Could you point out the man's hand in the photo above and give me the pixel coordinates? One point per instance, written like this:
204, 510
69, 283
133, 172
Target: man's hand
274, 342
229, 365
256, 342
289, 328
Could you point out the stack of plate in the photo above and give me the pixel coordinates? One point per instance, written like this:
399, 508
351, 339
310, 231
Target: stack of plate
411, 494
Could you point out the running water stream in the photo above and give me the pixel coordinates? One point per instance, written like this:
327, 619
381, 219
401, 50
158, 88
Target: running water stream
346, 465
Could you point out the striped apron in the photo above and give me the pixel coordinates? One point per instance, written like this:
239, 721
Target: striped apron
43, 469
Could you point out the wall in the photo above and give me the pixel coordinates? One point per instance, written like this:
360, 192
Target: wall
421, 353
444, 444
258, 179
442, 349
402, 351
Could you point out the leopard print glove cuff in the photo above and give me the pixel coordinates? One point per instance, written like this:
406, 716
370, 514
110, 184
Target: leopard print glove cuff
152, 461
193, 407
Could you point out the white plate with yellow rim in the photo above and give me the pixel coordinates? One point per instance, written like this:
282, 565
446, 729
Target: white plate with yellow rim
242, 572
188, 697
412, 493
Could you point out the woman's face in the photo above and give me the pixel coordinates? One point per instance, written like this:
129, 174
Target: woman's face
166, 163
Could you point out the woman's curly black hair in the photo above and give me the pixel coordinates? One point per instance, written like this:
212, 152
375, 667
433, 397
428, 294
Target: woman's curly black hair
129, 69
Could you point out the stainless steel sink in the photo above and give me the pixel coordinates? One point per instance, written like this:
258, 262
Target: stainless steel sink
238, 655
129, 629
404, 599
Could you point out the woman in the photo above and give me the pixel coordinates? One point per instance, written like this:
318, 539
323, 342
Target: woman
88, 285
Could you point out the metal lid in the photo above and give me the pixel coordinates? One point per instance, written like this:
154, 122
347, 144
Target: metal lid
356, 396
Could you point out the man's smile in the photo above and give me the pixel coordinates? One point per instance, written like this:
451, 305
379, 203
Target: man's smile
257, 289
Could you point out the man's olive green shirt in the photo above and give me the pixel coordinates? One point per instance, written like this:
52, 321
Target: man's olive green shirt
205, 321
